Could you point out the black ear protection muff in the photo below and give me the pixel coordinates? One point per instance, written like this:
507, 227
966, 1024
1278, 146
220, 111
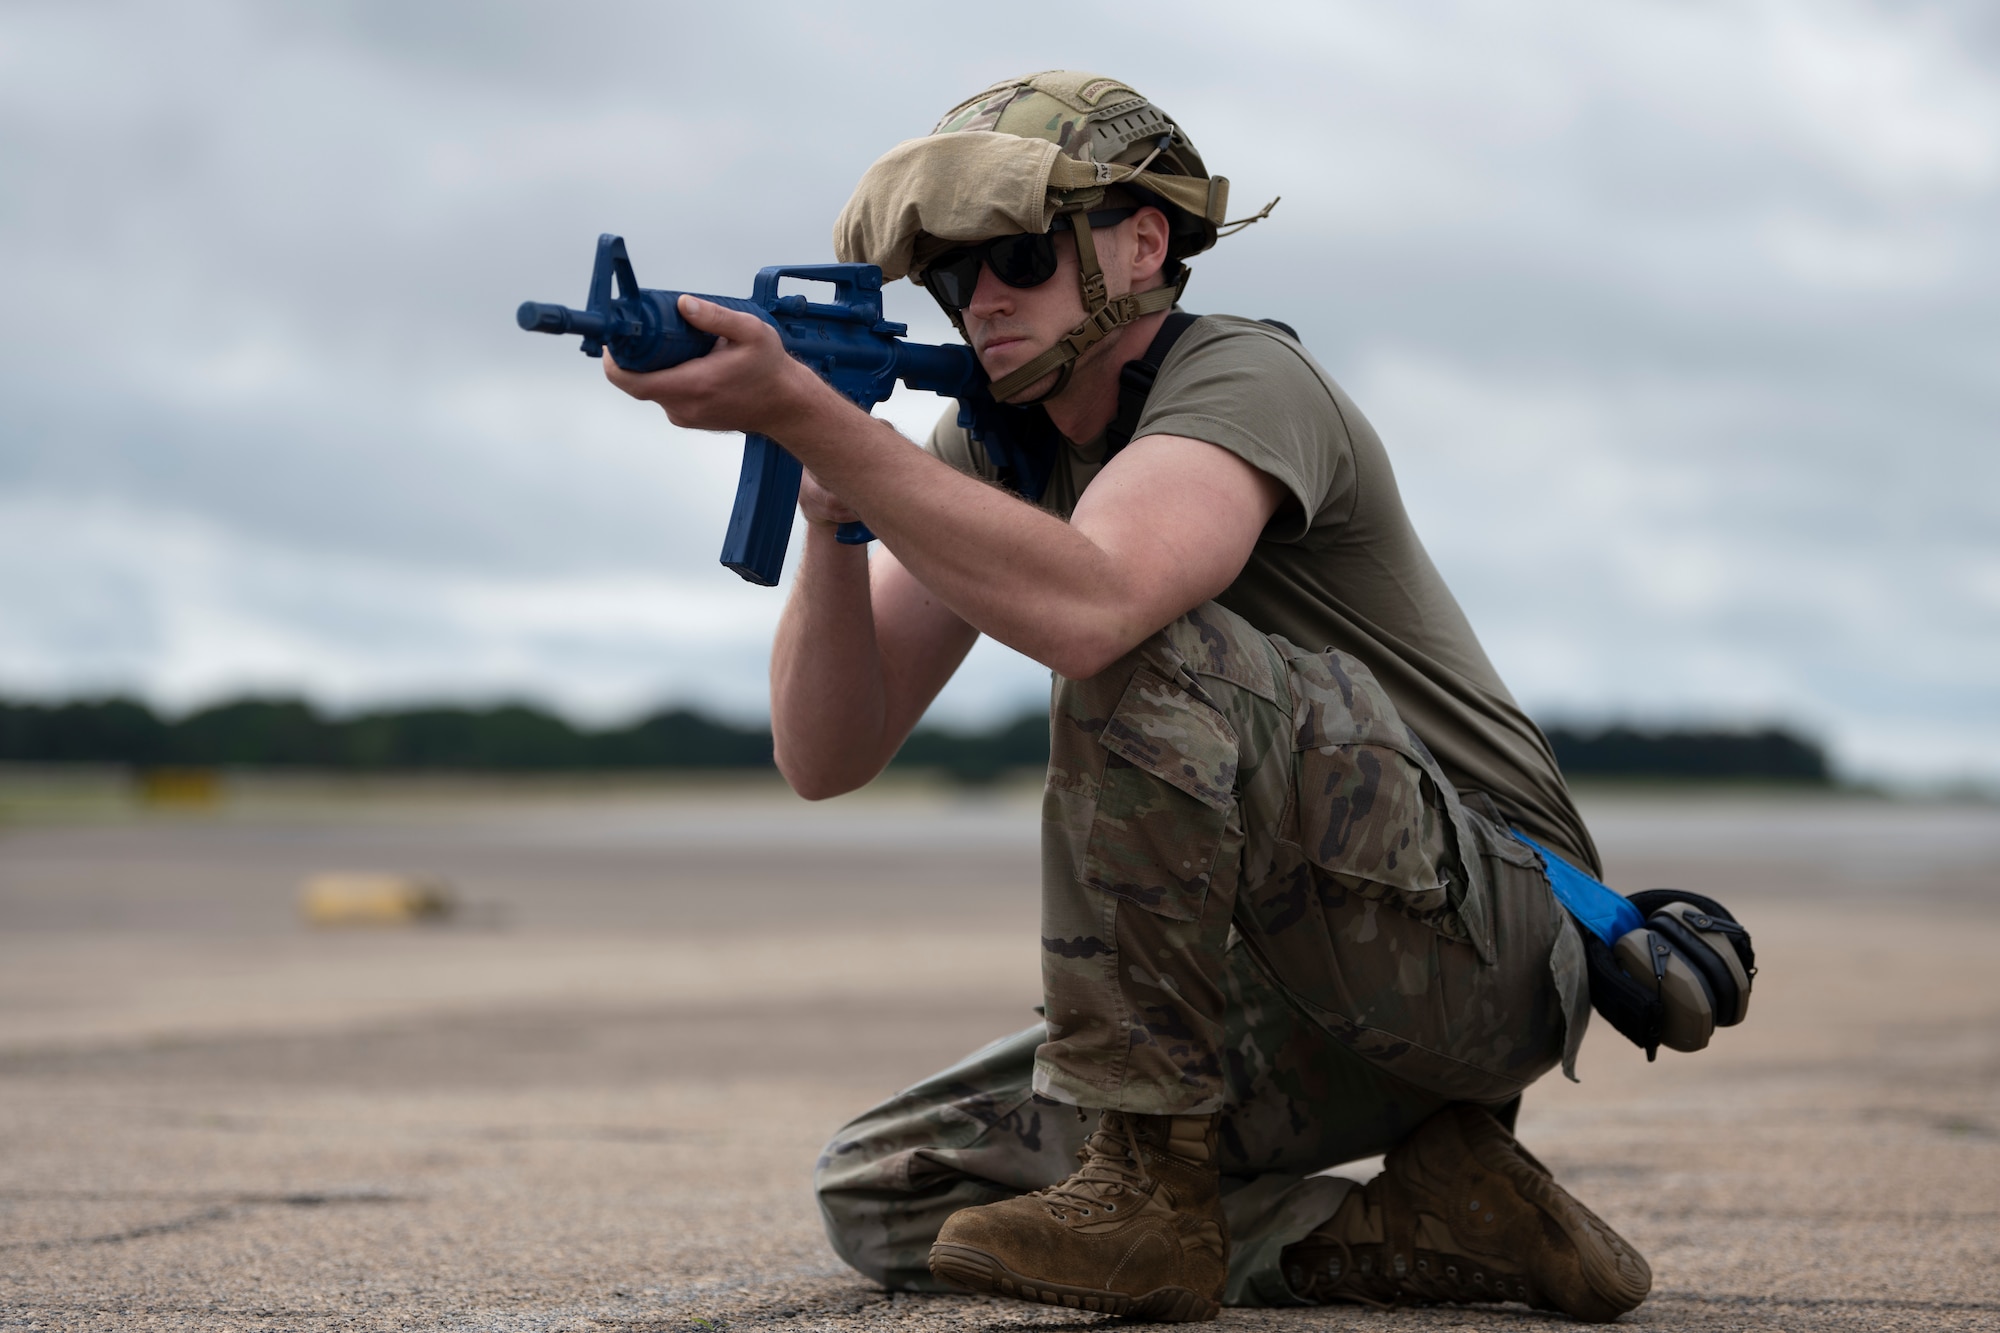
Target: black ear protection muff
1684, 973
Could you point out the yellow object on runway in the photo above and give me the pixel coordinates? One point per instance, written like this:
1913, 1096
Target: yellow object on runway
193, 788
348, 899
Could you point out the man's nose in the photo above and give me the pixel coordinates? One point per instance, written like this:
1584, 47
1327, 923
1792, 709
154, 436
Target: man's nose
990, 296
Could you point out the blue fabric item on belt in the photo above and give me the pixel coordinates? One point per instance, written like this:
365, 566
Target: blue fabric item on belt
1602, 910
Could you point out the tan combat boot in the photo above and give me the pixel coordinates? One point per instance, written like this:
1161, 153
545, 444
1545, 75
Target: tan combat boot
1461, 1212
1138, 1231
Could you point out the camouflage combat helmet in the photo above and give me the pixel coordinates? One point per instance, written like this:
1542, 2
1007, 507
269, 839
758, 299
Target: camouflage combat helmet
1020, 155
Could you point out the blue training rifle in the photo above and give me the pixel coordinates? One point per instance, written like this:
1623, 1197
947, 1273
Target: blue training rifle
846, 340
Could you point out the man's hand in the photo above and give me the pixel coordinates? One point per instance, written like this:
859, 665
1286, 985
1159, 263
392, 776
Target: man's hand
746, 383
821, 505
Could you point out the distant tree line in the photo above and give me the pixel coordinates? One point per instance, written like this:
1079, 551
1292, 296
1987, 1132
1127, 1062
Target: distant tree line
288, 733
1770, 754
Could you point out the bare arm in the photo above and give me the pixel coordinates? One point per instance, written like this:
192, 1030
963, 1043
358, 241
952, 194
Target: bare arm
861, 651
1168, 524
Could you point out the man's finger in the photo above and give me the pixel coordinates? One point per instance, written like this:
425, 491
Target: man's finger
620, 376
719, 319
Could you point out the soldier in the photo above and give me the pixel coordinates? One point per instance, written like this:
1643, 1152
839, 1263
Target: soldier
1286, 920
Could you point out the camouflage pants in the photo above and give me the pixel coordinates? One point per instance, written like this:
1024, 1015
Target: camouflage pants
1260, 897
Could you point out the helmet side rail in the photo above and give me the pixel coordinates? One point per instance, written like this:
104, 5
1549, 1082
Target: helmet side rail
846, 340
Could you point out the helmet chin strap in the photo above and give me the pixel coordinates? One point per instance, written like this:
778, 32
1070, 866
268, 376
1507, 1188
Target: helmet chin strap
1102, 318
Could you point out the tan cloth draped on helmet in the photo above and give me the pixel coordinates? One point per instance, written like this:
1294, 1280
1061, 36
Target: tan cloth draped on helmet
956, 187
978, 184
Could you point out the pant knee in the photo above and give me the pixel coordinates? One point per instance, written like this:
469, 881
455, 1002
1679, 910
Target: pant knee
882, 1227
1209, 641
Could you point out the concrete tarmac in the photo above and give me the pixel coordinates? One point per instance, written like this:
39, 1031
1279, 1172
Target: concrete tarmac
593, 1100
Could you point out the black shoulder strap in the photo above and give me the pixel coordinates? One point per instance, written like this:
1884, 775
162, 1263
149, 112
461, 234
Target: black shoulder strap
1135, 381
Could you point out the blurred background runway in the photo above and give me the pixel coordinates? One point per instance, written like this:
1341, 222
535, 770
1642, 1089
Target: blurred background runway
593, 1099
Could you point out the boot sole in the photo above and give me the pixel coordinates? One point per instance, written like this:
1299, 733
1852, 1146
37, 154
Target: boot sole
975, 1270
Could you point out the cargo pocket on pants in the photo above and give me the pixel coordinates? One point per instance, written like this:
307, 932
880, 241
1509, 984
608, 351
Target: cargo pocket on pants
1372, 812
1365, 815
1169, 783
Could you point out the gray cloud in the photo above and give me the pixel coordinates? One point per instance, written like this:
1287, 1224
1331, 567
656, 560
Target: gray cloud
1679, 322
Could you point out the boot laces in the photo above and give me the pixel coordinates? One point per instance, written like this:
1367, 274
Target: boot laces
1108, 1167
1372, 1275
1454, 1277
1331, 1273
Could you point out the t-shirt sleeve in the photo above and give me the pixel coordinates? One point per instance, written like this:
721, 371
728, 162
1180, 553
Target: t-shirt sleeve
1256, 393
953, 444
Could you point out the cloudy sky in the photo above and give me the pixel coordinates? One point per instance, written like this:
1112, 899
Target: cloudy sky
1679, 320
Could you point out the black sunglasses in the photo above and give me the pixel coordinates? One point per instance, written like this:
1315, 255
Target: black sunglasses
1024, 260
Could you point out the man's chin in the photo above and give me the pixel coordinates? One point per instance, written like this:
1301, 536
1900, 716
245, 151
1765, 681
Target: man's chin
1033, 393
1010, 357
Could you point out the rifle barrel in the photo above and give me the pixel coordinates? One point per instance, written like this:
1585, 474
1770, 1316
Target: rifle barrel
540, 317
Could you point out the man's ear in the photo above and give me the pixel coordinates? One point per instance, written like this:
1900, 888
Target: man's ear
1150, 234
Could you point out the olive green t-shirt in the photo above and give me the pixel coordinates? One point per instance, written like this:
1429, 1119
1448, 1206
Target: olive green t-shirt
1339, 565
